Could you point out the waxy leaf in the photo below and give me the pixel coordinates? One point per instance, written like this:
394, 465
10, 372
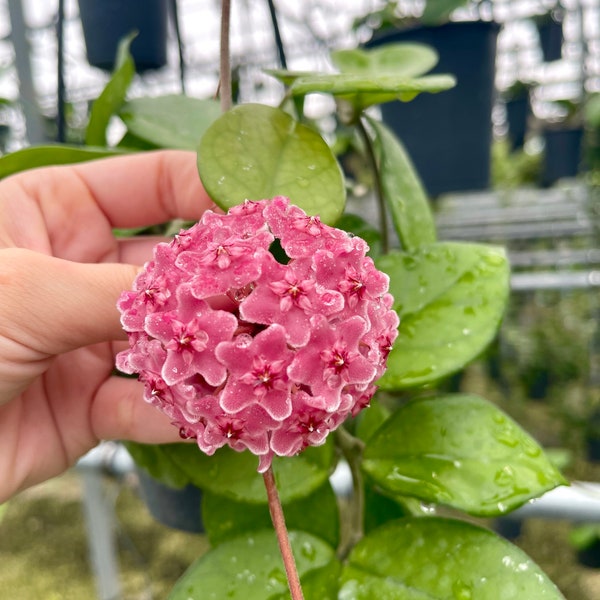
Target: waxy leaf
363, 91
380, 509
133, 143
429, 558
316, 513
401, 60
173, 121
369, 421
113, 95
43, 156
250, 568
373, 76
255, 152
461, 451
403, 191
450, 298
233, 474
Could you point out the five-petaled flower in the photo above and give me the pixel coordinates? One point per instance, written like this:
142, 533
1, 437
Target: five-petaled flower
239, 349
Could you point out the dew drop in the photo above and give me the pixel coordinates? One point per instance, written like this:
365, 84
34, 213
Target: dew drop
308, 551
277, 576
462, 591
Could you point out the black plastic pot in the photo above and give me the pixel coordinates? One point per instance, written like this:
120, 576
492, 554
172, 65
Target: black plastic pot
590, 556
563, 152
449, 135
551, 39
517, 115
106, 22
176, 508
592, 448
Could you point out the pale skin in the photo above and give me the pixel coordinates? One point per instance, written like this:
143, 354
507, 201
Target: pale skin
61, 272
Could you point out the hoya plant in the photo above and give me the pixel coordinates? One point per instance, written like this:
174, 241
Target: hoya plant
282, 344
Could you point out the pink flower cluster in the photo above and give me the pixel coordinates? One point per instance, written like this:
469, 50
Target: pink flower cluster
240, 349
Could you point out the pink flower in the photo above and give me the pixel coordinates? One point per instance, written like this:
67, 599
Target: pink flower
239, 349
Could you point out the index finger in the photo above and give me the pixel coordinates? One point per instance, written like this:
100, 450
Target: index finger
144, 189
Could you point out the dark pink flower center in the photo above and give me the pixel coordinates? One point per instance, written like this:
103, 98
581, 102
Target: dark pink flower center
336, 359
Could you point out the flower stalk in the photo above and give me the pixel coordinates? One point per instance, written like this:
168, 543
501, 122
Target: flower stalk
285, 547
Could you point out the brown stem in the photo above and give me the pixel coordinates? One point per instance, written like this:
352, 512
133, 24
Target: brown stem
225, 93
282, 535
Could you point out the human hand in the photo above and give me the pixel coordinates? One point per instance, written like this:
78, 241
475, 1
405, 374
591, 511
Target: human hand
61, 272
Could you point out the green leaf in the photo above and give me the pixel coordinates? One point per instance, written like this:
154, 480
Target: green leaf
431, 558
255, 151
112, 96
373, 76
43, 156
583, 536
363, 91
380, 509
233, 474
369, 420
450, 298
250, 568
403, 191
461, 451
173, 121
401, 60
438, 11
316, 513
153, 459
320, 584
132, 142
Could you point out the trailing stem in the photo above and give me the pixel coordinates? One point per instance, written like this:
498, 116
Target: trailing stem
282, 535
383, 220
225, 93
352, 448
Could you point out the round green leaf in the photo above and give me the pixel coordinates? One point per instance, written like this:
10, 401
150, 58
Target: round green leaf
461, 451
173, 121
233, 474
450, 298
428, 558
401, 60
255, 152
250, 568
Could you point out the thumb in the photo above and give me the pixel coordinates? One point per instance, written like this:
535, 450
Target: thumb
52, 305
